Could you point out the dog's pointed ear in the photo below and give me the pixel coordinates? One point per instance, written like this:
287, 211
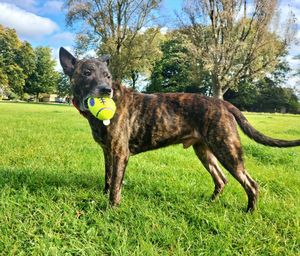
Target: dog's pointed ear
67, 61
105, 58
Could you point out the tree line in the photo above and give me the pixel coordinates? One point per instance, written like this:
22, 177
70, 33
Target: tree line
175, 71
231, 49
25, 70
218, 48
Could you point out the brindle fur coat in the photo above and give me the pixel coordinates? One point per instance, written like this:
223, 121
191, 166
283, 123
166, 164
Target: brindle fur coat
149, 121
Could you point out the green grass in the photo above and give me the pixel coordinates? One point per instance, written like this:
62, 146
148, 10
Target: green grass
51, 201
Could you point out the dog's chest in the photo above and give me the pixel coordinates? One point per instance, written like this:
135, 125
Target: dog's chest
99, 132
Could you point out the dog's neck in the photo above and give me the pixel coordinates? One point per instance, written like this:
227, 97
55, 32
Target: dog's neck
119, 91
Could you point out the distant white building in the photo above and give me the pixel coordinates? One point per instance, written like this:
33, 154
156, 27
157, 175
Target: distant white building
53, 98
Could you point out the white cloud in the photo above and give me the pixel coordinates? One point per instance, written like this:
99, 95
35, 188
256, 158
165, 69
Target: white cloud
26, 24
285, 11
294, 49
63, 36
295, 2
293, 81
164, 30
29, 5
285, 8
52, 6
90, 54
38, 6
294, 63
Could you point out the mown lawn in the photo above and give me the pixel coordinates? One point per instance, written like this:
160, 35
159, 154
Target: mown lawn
51, 201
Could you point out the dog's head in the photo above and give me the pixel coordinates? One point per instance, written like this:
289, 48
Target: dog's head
89, 77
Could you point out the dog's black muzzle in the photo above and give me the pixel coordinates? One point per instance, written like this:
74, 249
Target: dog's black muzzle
98, 92
101, 91
105, 90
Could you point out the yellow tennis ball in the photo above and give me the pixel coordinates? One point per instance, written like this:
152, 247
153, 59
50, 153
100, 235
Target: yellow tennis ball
102, 108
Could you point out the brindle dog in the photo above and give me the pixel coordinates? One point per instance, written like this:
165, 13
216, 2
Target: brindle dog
148, 121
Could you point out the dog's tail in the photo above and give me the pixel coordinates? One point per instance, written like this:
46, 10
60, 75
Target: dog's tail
250, 131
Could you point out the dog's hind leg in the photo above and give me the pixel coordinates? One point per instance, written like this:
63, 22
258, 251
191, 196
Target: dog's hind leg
229, 152
211, 164
238, 171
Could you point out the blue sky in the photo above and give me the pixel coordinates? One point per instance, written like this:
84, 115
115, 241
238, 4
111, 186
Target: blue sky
42, 23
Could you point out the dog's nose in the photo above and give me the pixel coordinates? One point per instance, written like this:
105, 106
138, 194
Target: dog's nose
105, 90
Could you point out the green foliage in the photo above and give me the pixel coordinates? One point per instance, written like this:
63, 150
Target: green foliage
25, 57
244, 96
16, 78
63, 85
274, 98
177, 70
11, 95
233, 42
26, 96
16, 62
51, 199
115, 27
44, 78
3, 79
267, 94
137, 56
24, 69
169, 72
297, 74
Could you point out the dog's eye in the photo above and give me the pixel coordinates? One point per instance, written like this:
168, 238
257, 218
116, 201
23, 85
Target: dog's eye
87, 72
106, 75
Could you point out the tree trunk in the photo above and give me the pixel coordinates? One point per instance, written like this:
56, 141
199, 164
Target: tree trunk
218, 93
217, 88
134, 78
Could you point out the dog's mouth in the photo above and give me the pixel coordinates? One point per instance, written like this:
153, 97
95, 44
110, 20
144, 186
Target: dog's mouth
85, 100
85, 104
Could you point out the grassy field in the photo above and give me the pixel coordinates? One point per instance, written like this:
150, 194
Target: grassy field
51, 201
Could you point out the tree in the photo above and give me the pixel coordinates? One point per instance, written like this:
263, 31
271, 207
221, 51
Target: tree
177, 70
25, 57
16, 80
297, 74
114, 27
44, 78
266, 94
273, 98
235, 44
138, 56
16, 62
9, 42
63, 85
3, 82
244, 96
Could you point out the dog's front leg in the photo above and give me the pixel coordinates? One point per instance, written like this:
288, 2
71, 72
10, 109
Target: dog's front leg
119, 159
108, 171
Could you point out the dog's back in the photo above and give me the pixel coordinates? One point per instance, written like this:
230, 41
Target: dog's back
157, 120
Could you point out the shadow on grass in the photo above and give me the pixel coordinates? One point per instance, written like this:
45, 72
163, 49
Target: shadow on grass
86, 189
42, 180
81, 191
